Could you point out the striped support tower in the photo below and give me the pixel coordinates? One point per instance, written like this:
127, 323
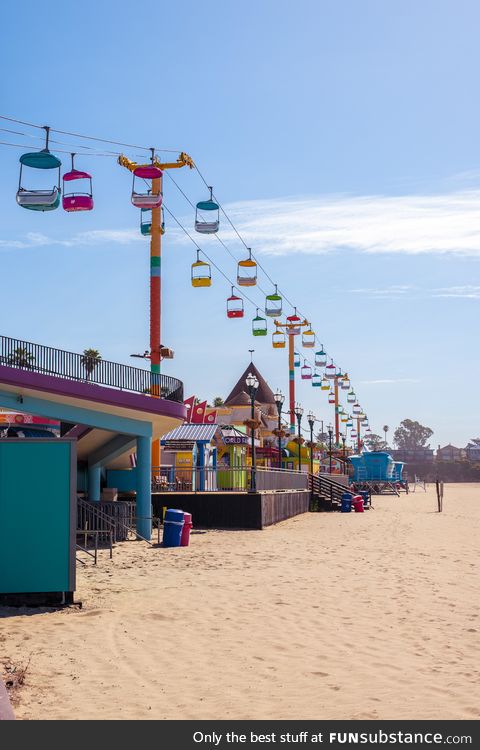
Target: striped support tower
291, 379
155, 303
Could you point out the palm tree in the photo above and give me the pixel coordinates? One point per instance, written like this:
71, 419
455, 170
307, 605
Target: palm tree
385, 429
218, 401
90, 360
21, 357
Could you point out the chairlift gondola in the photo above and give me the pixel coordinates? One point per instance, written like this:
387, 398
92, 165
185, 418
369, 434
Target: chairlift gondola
247, 271
152, 196
321, 358
235, 306
316, 380
201, 272
146, 221
39, 200
212, 224
331, 371
308, 339
273, 304
325, 384
77, 199
345, 383
331, 397
278, 340
357, 410
306, 371
293, 322
296, 359
259, 325
351, 397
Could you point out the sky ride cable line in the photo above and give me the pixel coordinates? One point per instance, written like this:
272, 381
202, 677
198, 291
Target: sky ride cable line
241, 293
317, 340
89, 137
212, 262
94, 152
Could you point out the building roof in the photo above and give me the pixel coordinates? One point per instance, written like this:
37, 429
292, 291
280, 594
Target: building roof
264, 393
240, 399
192, 432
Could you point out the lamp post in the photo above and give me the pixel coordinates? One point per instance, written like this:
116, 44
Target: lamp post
311, 424
343, 446
279, 399
298, 414
252, 385
330, 435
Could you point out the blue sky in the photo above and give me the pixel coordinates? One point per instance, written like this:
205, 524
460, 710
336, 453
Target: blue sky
341, 137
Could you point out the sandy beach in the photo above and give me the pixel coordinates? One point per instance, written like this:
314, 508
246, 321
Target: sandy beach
324, 616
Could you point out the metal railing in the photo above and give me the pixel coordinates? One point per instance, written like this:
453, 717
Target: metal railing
324, 485
228, 479
25, 355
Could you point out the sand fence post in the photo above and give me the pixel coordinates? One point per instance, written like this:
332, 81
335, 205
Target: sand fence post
439, 488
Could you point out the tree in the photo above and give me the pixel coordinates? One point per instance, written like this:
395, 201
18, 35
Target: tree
90, 360
410, 435
21, 357
375, 442
218, 401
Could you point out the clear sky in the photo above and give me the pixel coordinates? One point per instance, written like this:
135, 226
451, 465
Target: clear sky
342, 138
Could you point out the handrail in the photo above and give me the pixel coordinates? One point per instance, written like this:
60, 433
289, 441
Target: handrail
46, 360
323, 484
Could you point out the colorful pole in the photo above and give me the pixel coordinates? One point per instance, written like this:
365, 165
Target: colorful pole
337, 415
155, 305
291, 379
359, 442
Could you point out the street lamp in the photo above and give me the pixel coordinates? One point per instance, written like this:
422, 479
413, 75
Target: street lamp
343, 446
298, 413
279, 399
311, 423
252, 385
330, 435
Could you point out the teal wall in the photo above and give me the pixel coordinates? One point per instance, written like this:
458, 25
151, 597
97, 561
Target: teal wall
125, 480
35, 516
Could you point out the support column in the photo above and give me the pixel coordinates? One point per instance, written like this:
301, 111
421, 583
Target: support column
144, 487
359, 440
156, 303
291, 379
337, 415
94, 477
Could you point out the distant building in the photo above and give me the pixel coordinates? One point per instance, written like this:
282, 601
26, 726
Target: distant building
472, 450
413, 455
450, 453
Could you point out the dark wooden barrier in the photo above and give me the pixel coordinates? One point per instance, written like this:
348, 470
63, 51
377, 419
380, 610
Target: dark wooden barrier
234, 510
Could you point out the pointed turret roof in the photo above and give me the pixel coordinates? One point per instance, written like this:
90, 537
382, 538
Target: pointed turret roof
264, 394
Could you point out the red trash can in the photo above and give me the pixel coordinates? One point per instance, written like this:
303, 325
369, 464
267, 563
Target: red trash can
187, 525
357, 502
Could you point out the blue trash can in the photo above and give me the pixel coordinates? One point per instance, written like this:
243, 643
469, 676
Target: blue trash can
346, 506
172, 528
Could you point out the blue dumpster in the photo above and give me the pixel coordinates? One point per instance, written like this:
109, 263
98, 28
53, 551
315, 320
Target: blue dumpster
172, 528
346, 506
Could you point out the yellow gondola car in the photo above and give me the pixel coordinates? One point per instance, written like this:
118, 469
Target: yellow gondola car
201, 272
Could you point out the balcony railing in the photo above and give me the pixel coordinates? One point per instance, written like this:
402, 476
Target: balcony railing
236, 479
24, 355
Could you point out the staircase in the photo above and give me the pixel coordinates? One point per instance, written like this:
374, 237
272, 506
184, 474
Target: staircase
326, 492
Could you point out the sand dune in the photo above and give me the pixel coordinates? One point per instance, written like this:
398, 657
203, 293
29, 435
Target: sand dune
324, 616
